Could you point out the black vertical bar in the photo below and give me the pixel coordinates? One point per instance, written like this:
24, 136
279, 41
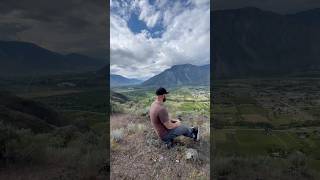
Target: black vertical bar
212, 144
108, 85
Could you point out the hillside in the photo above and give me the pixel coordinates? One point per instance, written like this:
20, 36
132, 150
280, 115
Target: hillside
137, 152
27, 114
185, 74
118, 97
264, 43
25, 59
43, 134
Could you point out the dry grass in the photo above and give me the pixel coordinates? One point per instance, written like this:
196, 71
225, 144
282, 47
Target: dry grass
141, 155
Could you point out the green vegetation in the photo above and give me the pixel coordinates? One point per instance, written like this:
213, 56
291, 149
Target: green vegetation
266, 122
180, 100
57, 124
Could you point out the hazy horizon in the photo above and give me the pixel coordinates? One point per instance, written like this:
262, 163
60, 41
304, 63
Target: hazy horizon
144, 79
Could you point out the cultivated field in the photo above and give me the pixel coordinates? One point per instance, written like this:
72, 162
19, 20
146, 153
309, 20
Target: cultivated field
267, 122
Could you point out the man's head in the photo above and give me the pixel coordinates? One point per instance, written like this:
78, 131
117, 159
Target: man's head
161, 94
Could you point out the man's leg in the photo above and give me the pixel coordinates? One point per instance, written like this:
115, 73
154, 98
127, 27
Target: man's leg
178, 131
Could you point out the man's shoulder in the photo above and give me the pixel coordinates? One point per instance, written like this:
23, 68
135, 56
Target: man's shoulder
157, 106
162, 108
153, 105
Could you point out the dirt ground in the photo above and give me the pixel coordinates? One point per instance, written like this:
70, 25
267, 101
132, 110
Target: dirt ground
141, 155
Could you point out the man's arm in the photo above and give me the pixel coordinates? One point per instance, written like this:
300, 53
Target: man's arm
172, 125
175, 120
164, 118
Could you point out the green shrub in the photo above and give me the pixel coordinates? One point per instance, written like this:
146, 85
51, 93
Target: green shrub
25, 147
116, 107
297, 163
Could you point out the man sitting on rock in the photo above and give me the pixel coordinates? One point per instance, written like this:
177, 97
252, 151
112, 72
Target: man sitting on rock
168, 129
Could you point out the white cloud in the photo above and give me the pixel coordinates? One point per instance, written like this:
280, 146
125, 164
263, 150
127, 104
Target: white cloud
148, 13
186, 39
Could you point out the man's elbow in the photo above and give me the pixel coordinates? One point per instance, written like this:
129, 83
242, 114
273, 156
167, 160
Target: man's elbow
170, 125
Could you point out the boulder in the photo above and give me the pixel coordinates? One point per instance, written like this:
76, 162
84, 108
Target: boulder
191, 154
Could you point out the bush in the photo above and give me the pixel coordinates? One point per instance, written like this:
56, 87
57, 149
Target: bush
297, 163
82, 155
245, 168
116, 107
62, 136
22, 146
131, 127
7, 134
83, 158
117, 135
141, 127
135, 128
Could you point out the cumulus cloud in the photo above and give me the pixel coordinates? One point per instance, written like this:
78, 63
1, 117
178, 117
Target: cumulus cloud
148, 13
185, 38
74, 26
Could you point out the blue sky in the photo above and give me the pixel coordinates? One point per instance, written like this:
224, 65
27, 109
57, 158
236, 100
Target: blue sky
149, 36
137, 26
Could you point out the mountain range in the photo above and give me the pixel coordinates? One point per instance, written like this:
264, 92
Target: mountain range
251, 42
25, 59
118, 80
185, 74
247, 42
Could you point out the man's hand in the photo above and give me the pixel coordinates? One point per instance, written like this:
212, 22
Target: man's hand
175, 120
178, 123
172, 124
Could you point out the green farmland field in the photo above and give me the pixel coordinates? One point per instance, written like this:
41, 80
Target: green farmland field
275, 121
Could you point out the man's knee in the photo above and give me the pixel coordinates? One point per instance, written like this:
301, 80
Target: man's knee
183, 127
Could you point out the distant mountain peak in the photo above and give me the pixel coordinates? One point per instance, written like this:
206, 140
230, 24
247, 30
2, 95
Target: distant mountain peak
25, 59
183, 74
119, 80
76, 55
180, 65
315, 10
243, 9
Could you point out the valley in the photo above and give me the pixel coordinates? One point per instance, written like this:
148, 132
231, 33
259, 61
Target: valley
272, 122
57, 123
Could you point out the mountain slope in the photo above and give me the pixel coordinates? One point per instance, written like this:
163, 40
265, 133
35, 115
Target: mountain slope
27, 114
22, 58
250, 42
309, 17
117, 80
185, 74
